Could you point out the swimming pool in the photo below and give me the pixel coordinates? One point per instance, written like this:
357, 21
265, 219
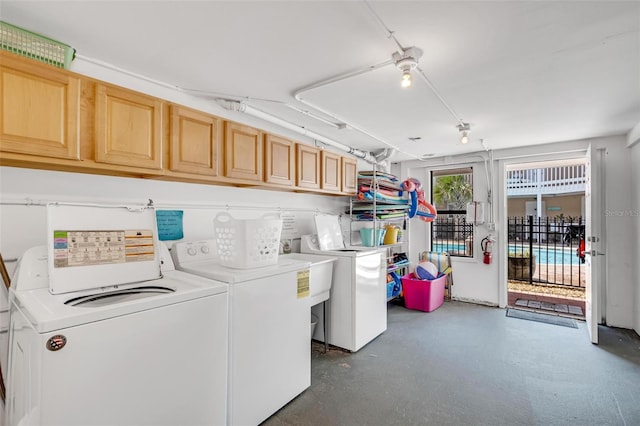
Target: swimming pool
544, 255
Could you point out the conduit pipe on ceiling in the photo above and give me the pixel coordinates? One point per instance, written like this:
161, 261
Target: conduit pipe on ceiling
298, 96
344, 76
219, 95
232, 105
391, 36
439, 96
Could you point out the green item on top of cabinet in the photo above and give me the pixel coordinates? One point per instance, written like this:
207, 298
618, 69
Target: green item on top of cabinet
34, 46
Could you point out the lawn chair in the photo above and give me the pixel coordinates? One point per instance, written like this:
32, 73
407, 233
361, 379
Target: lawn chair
442, 260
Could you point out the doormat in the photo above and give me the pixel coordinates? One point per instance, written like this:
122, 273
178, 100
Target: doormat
535, 316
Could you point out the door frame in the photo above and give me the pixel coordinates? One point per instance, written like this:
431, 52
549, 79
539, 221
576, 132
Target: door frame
501, 207
596, 227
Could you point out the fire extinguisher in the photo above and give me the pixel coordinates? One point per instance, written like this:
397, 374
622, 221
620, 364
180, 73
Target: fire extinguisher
580, 250
486, 246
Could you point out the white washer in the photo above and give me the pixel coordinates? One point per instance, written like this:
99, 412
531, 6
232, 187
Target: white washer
152, 352
357, 308
269, 350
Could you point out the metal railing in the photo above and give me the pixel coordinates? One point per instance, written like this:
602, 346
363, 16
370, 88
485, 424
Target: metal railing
452, 233
546, 250
548, 180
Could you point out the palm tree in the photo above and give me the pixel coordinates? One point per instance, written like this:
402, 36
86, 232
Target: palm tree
453, 191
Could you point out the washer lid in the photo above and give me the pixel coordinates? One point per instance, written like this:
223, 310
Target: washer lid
329, 232
48, 312
310, 244
92, 246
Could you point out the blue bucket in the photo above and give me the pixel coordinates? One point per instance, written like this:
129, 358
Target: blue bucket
366, 234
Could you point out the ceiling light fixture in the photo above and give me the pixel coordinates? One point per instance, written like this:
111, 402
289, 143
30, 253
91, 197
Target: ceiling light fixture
406, 60
406, 79
464, 129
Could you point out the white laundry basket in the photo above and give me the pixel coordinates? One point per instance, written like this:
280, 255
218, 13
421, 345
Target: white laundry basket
247, 243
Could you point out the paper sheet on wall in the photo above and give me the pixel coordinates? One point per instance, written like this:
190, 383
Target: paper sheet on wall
289, 226
169, 224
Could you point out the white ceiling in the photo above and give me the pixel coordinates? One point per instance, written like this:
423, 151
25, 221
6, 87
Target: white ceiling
521, 72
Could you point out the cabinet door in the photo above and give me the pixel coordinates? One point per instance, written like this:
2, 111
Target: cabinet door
40, 109
308, 166
128, 128
195, 141
279, 159
331, 171
349, 175
243, 152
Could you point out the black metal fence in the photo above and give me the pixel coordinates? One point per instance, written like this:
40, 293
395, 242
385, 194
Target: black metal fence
452, 233
546, 250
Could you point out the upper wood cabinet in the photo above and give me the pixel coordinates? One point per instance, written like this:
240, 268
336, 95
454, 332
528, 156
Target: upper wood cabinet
331, 171
243, 152
307, 166
39, 109
54, 119
279, 160
195, 142
128, 128
349, 175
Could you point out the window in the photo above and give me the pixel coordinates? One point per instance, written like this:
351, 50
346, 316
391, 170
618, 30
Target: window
451, 190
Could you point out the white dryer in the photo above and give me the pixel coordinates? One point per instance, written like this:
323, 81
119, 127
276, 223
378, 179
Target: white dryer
150, 352
269, 350
357, 309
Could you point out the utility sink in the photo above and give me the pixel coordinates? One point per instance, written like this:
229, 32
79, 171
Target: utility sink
320, 275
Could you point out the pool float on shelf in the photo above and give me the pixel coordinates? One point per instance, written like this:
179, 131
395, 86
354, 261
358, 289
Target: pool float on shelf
418, 205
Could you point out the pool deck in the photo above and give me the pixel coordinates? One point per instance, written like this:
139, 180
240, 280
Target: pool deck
567, 274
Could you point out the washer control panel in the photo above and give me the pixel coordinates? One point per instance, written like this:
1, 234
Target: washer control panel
309, 244
193, 251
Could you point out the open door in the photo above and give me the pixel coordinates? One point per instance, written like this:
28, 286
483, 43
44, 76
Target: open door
594, 202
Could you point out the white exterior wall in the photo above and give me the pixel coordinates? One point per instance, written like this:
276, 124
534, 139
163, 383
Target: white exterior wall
475, 281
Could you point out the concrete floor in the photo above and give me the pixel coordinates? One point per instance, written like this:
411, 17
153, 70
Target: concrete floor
466, 364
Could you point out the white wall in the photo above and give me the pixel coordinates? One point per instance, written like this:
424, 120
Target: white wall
620, 291
23, 226
473, 281
476, 281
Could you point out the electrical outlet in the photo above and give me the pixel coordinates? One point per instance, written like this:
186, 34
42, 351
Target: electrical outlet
491, 226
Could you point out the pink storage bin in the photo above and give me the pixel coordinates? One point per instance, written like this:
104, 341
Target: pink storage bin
423, 295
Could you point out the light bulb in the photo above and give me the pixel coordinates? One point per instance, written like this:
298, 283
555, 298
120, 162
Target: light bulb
465, 137
406, 79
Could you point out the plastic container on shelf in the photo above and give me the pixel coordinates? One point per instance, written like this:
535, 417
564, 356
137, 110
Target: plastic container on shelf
423, 295
367, 236
391, 234
245, 244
